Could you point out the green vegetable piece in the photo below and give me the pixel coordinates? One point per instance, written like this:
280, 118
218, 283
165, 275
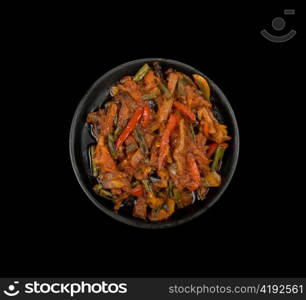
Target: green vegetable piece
131, 148
106, 193
176, 194
180, 87
93, 166
116, 119
141, 72
203, 85
97, 188
216, 165
114, 91
147, 186
133, 184
170, 190
141, 140
192, 132
164, 90
149, 96
117, 133
111, 146
188, 80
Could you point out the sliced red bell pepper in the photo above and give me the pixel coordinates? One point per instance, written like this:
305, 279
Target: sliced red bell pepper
137, 191
185, 110
129, 127
146, 117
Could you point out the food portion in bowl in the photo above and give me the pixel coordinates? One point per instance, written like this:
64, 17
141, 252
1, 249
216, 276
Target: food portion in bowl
159, 145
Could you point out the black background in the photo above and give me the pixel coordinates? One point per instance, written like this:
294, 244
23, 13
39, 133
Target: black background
50, 228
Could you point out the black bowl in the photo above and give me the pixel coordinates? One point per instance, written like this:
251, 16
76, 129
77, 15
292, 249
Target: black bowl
80, 139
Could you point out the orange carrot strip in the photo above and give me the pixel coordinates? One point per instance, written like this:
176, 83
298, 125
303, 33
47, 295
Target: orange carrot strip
185, 110
146, 116
193, 171
129, 127
164, 145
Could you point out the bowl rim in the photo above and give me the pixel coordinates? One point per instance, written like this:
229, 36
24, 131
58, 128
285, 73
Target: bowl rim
133, 221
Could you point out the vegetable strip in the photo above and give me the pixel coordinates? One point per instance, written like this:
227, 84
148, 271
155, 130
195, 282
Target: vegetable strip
172, 81
111, 146
194, 172
185, 110
164, 146
146, 116
141, 72
94, 167
141, 141
137, 191
216, 165
164, 90
212, 149
130, 126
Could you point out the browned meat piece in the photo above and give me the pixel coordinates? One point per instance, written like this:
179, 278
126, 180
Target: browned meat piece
132, 88
200, 141
103, 157
115, 180
149, 138
200, 157
93, 117
143, 172
221, 135
124, 114
203, 114
185, 200
140, 208
126, 167
154, 154
164, 212
151, 81
137, 158
107, 126
116, 191
172, 81
194, 99
164, 110
180, 150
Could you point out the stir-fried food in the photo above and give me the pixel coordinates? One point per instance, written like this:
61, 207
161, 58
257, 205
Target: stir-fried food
159, 144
